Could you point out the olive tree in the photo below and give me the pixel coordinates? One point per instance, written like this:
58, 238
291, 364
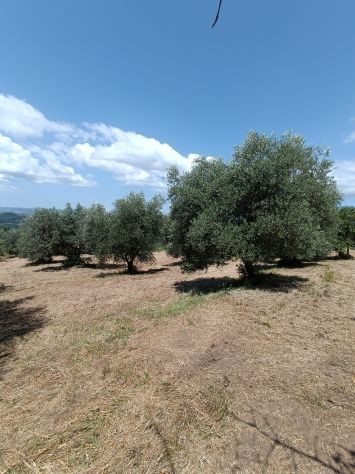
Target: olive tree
135, 229
71, 242
8, 241
346, 231
39, 235
274, 200
286, 200
96, 229
198, 218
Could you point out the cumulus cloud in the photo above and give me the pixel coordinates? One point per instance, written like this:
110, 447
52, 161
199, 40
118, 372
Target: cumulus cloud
344, 173
41, 150
16, 161
20, 120
130, 157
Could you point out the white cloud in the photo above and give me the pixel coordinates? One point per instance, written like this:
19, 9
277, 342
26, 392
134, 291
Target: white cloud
344, 173
17, 161
130, 157
46, 151
37, 149
20, 120
350, 138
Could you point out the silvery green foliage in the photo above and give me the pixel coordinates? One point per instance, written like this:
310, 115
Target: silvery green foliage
197, 213
274, 199
346, 231
96, 229
39, 235
135, 229
8, 241
71, 243
50, 232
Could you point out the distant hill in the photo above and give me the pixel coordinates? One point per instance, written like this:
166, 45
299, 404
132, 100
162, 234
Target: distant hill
17, 210
11, 219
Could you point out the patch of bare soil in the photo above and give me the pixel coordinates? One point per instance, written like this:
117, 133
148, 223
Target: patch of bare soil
163, 372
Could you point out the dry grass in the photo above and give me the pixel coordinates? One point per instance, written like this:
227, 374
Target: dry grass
163, 372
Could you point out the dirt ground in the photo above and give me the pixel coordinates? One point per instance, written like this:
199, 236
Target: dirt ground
163, 372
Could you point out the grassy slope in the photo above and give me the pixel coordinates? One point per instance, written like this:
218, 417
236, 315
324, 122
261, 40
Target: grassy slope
163, 372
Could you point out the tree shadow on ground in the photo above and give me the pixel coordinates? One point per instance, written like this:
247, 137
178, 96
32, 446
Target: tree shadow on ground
265, 266
339, 257
57, 268
17, 320
104, 266
341, 461
151, 271
38, 264
207, 285
281, 264
174, 264
4, 288
271, 282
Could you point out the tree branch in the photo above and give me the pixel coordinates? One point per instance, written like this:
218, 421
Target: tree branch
218, 12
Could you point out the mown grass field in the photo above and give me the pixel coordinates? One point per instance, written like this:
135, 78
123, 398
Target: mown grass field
163, 372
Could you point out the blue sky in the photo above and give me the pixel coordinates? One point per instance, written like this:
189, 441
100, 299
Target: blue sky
98, 97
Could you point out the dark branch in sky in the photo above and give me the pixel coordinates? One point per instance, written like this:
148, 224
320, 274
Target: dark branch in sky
218, 12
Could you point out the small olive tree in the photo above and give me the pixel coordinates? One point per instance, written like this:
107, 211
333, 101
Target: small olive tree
3, 233
135, 229
8, 241
346, 231
39, 235
70, 242
96, 230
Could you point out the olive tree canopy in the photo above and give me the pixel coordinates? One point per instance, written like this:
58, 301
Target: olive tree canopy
274, 199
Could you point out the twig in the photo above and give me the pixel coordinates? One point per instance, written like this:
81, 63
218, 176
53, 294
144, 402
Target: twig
218, 12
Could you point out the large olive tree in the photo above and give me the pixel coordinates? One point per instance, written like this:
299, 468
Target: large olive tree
274, 199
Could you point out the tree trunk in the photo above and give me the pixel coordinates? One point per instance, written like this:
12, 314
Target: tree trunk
348, 251
130, 265
73, 258
249, 268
